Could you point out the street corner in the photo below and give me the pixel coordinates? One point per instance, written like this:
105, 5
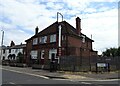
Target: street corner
74, 77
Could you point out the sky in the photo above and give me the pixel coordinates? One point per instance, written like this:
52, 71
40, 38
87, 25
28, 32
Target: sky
99, 18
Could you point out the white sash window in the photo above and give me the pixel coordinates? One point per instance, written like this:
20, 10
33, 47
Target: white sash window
35, 41
43, 39
34, 54
53, 38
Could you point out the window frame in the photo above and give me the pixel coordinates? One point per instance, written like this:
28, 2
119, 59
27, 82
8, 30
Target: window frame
43, 39
35, 41
52, 38
34, 54
83, 39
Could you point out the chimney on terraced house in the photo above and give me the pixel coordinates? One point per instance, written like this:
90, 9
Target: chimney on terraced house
36, 30
78, 25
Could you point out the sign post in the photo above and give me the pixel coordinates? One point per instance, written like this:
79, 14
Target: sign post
102, 67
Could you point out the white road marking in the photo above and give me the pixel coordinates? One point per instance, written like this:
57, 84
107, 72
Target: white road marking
12, 83
27, 73
101, 80
85, 83
61, 79
108, 80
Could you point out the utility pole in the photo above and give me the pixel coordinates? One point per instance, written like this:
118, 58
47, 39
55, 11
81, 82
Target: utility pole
2, 45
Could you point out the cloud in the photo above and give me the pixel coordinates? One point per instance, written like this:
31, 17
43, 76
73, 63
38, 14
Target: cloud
99, 18
104, 28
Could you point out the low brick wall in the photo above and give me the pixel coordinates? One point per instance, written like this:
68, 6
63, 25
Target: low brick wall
21, 65
38, 66
12, 64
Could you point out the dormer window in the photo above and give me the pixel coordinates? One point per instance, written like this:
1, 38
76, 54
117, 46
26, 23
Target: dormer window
35, 41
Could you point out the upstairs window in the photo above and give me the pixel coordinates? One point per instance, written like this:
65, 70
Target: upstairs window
53, 38
9, 50
83, 38
4, 51
63, 37
43, 39
35, 41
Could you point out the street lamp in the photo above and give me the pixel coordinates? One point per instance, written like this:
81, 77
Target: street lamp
2, 43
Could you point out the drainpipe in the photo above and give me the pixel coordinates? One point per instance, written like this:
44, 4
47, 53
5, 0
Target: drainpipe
59, 37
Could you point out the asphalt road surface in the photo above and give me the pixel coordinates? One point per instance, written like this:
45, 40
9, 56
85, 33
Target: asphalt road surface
10, 78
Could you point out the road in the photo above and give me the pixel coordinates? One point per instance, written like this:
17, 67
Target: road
20, 79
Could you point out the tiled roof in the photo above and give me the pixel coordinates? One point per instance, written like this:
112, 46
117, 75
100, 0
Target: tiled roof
15, 47
66, 29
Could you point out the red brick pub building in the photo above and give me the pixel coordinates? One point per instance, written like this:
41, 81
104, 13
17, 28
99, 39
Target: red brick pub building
60, 39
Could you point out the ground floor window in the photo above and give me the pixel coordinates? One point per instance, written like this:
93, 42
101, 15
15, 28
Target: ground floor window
34, 54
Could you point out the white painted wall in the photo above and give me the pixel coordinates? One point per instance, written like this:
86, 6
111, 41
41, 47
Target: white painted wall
13, 51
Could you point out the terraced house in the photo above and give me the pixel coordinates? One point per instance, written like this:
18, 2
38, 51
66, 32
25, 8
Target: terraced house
60, 39
10, 53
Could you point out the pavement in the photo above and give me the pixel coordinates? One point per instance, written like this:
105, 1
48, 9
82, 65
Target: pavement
76, 76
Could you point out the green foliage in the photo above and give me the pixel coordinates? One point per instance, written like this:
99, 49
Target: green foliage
112, 52
118, 51
20, 57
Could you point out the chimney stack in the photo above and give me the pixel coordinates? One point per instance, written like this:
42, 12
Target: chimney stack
36, 30
78, 25
12, 44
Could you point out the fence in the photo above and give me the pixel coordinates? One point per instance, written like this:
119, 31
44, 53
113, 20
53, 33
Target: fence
114, 62
76, 63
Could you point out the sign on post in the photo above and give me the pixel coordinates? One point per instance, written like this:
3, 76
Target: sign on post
101, 64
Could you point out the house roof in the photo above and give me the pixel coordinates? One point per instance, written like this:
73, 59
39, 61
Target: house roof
66, 29
15, 46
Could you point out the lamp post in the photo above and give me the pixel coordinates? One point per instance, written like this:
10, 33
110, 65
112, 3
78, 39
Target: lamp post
2, 43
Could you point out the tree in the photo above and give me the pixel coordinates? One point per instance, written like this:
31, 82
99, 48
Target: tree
112, 52
20, 57
118, 52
